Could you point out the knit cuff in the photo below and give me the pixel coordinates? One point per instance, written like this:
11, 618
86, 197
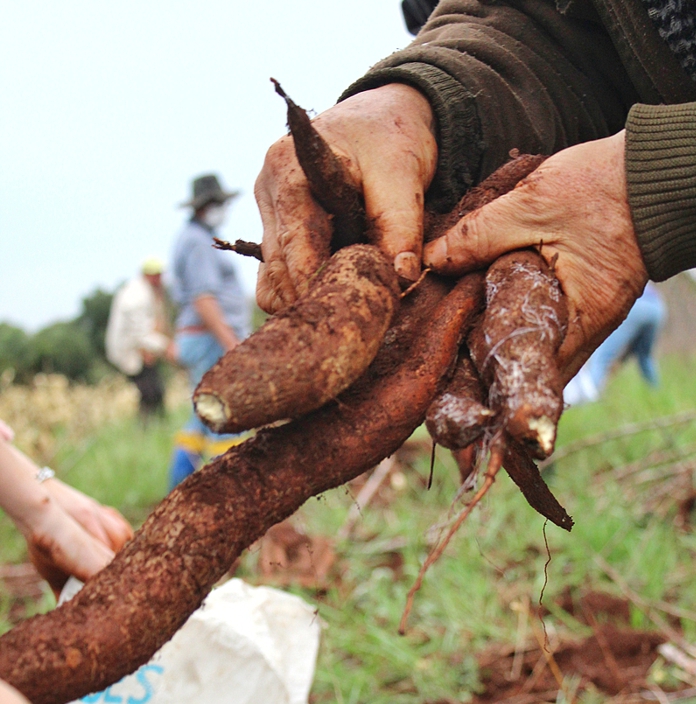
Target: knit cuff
459, 140
661, 179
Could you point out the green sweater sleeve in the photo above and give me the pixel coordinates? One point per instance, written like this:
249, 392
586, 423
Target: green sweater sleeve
661, 179
507, 75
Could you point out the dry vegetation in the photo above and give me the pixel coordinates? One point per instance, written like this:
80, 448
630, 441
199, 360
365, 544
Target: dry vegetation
52, 410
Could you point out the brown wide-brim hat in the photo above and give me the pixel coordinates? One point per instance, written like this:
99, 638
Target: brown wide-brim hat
206, 189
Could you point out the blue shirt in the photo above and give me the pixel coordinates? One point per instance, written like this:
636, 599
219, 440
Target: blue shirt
198, 269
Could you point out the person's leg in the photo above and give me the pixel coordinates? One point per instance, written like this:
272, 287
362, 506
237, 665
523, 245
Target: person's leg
609, 352
189, 445
642, 349
197, 352
653, 318
151, 389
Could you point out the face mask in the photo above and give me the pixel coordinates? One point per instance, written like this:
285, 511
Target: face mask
214, 215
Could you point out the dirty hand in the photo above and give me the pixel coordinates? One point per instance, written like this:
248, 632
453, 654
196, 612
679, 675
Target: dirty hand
104, 523
386, 138
576, 204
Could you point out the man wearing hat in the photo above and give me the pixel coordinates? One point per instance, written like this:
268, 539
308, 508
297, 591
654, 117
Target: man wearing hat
213, 312
137, 334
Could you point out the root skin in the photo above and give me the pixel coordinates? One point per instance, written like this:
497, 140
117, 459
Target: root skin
309, 353
500, 182
458, 416
328, 178
514, 348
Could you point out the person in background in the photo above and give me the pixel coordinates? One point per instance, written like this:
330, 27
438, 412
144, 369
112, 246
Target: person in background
213, 313
67, 532
635, 337
137, 334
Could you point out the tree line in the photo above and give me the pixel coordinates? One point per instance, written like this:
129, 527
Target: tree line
74, 348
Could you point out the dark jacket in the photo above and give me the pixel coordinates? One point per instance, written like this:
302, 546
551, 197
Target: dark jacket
536, 75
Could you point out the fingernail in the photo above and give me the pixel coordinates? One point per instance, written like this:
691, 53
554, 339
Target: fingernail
407, 266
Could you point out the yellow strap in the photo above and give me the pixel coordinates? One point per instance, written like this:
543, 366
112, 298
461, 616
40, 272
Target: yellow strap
193, 442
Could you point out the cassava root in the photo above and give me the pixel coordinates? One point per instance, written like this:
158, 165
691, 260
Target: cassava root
308, 353
515, 345
133, 606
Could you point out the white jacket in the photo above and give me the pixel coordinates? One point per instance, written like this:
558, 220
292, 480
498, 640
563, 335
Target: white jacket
135, 323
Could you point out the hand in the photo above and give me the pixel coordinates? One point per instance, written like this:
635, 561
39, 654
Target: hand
386, 138
60, 547
576, 204
104, 523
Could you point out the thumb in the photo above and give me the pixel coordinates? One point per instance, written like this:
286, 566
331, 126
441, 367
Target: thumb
482, 236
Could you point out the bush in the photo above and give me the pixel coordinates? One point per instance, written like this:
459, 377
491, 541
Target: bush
94, 318
14, 348
62, 348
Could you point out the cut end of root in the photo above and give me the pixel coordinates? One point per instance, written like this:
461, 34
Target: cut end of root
536, 433
544, 431
211, 409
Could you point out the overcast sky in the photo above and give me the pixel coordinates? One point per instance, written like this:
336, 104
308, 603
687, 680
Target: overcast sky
109, 109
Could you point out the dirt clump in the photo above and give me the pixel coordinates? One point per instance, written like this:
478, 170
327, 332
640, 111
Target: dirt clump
288, 556
615, 659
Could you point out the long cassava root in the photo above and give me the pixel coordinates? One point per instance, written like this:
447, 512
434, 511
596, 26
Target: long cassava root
132, 607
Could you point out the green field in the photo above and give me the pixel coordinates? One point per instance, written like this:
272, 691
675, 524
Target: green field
625, 542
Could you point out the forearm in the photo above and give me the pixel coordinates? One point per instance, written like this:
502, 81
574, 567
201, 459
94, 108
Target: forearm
22, 497
213, 319
661, 179
500, 78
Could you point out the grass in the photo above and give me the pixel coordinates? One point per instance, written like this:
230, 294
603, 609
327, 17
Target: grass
471, 596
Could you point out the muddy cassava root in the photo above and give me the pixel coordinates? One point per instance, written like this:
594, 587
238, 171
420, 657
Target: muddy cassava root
515, 345
308, 353
328, 178
457, 417
132, 607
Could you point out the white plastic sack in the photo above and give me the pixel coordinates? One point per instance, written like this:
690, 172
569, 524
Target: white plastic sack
244, 645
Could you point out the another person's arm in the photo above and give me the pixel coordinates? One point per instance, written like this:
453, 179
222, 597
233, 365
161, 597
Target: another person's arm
9, 695
67, 532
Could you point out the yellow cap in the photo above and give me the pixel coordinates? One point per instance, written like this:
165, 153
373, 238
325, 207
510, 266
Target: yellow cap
152, 266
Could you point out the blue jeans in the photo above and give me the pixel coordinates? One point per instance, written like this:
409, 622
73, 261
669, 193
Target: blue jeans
635, 337
197, 352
